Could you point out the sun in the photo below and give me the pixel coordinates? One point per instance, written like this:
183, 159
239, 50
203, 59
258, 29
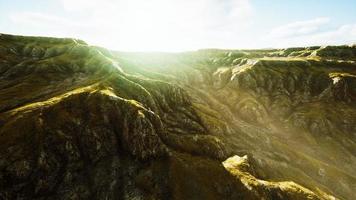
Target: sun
156, 26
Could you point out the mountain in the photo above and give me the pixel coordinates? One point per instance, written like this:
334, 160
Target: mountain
83, 122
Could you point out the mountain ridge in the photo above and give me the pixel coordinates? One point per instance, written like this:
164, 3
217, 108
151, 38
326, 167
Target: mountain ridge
78, 121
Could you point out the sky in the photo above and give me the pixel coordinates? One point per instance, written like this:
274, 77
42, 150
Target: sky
184, 25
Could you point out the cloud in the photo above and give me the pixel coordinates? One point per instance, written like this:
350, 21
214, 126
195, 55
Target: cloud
144, 25
38, 19
184, 13
344, 34
34, 23
299, 28
83, 5
174, 25
316, 31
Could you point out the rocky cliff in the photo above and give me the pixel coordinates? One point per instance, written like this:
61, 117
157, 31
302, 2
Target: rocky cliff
83, 122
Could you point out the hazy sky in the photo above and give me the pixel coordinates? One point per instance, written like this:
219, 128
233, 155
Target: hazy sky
177, 25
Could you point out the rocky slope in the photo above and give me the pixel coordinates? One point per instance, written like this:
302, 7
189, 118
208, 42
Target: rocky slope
83, 122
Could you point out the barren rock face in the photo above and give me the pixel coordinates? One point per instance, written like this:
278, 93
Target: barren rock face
240, 168
82, 122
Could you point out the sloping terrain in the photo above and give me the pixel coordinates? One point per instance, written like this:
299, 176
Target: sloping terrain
83, 122
292, 110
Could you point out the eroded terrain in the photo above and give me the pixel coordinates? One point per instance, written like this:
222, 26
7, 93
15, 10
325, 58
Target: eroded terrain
83, 122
